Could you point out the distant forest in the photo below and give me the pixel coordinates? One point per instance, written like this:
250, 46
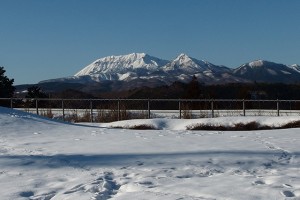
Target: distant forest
191, 90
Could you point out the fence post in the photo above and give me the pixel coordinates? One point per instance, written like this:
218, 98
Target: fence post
91, 107
179, 106
149, 114
63, 109
36, 106
244, 108
11, 103
277, 107
118, 109
212, 108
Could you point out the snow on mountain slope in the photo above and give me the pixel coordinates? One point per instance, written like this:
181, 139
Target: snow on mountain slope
185, 64
296, 67
265, 71
256, 63
136, 65
139, 63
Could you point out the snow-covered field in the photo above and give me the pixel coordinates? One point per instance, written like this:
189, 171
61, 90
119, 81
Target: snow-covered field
42, 159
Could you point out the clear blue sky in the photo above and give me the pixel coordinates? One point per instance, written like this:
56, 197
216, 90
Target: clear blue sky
43, 39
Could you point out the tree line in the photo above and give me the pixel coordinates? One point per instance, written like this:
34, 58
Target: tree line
194, 89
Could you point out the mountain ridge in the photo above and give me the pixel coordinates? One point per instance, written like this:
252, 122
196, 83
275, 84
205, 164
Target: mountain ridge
141, 69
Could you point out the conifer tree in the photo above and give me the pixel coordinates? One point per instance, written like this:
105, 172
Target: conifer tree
6, 85
193, 89
35, 92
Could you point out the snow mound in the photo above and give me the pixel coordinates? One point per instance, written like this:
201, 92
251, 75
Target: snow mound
11, 118
185, 124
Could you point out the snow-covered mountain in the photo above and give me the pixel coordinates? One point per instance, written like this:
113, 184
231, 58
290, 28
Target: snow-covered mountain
124, 67
265, 71
185, 64
184, 67
140, 69
146, 68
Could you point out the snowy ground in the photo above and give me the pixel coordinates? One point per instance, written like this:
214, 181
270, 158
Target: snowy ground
42, 160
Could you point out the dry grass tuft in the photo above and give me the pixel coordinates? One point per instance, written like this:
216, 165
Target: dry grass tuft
136, 127
143, 127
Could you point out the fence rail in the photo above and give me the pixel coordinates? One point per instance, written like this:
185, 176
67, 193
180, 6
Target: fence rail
106, 110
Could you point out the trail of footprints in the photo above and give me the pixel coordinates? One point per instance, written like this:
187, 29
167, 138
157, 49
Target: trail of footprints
107, 186
285, 192
282, 157
104, 187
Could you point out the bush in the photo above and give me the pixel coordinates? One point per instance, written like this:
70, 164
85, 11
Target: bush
295, 124
137, 127
143, 127
186, 112
48, 113
237, 127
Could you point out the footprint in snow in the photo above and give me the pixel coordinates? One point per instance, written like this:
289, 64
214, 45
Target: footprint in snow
184, 176
74, 189
46, 196
26, 194
287, 193
287, 185
139, 163
258, 182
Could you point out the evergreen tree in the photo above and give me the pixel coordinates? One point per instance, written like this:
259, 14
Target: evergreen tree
193, 89
35, 92
6, 85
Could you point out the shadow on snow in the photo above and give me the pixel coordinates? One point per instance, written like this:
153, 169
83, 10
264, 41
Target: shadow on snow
263, 158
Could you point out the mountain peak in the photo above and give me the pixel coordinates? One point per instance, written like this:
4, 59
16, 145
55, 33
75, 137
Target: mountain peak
257, 63
182, 56
137, 55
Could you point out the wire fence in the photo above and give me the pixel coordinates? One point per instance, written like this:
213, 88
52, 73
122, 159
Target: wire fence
108, 110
